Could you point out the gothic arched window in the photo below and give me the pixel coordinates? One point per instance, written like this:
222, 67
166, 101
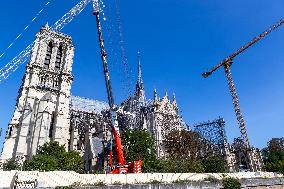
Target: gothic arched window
58, 58
44, 79
51, 128
48, 56
55, 82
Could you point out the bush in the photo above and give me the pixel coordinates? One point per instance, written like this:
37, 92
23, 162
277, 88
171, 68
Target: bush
180, 166
139, 145
11, 165
42, 163
52, 156
214, 164
231, 183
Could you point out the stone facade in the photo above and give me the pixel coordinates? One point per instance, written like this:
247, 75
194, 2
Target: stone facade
46, 111
158, 116
42, 108
240, 158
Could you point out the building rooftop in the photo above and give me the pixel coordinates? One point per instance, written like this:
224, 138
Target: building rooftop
88, 105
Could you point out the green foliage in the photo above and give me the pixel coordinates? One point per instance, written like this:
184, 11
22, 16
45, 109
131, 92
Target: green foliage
180, 166
275, 162
214, 164
212, 179
139, 145
11, 165
276, 145
51, 149
117, 183
182, 147
274, 155
182, 144
182, 181
100, 183
52, 156
42, 163
71, 161
231, 183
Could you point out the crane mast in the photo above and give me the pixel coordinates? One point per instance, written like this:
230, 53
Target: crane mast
115, 128
237, 107
96, 12
226, 64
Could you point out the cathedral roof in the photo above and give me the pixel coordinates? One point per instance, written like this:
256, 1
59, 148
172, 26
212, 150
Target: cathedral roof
88, 105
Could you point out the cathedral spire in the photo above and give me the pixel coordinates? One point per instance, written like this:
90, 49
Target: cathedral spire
139, 69
174, 99
140, 85
155, 95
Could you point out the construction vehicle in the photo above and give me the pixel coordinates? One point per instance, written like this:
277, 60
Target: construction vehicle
226, 64
122, 167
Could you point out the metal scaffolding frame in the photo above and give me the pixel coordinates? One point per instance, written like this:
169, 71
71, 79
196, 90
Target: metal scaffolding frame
213, 135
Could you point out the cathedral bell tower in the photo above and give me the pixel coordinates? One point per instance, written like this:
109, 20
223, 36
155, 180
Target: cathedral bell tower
42, 107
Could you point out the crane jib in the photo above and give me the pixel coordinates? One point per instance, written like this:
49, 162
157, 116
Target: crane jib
24, 55
243, 48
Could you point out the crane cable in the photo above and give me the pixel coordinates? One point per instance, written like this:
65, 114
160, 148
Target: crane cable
127, 69
117, 53
24, 30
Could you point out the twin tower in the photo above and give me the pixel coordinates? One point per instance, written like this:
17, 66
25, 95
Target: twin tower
42, 108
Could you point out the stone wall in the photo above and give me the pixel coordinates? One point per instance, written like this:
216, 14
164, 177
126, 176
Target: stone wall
67, 178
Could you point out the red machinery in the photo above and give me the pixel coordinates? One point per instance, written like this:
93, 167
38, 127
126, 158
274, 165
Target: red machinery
122, 167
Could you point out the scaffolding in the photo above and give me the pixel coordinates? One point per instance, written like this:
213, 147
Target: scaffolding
213, 136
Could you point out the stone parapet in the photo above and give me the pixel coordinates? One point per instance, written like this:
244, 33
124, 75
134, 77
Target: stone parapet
67, 178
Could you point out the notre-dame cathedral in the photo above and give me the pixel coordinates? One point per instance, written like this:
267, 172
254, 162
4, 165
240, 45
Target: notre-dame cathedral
46, 111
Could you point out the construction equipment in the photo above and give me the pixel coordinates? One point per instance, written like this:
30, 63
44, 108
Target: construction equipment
122, 166
24, 56
226, 64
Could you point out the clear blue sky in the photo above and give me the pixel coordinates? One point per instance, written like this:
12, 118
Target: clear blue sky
179, 40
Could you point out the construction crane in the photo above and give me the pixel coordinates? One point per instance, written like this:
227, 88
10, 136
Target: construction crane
122, 166
24, 56
226, 64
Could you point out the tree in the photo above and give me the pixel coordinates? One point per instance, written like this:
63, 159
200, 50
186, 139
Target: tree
71, 161
139, 145
276, 145
182, 148
183, 144
186, 153
52, 156
214, 164
274, 155
275, 162
42, 163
